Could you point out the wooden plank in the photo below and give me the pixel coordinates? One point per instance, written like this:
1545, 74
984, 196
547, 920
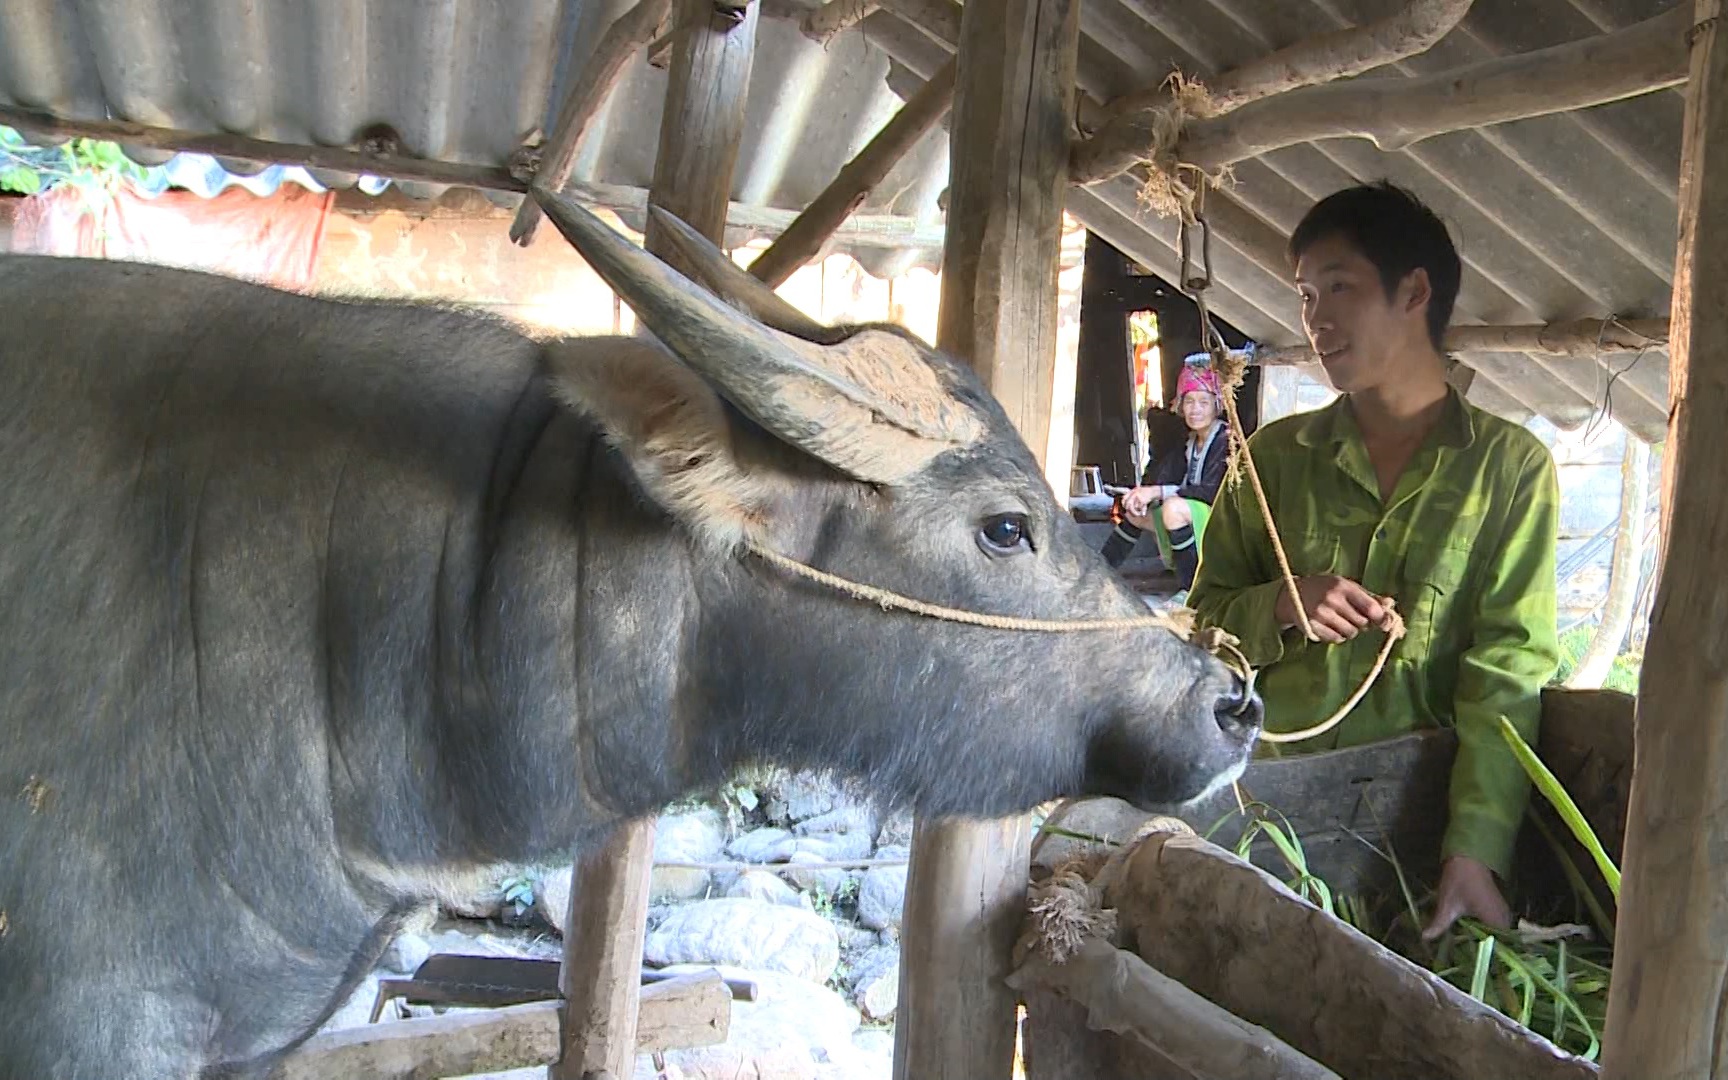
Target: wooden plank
1666, 1007
847, 192
629, 33
1122, 993
678, 1014
603, 939
966, 888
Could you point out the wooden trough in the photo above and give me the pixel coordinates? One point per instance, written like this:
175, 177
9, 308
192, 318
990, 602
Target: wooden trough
1214, 969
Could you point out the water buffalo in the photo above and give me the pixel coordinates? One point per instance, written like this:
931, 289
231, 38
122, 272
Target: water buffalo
314, 609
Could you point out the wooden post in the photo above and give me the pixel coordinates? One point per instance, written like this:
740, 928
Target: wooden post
603, 939
704, 121
1666, 1009
699, 135
966, 889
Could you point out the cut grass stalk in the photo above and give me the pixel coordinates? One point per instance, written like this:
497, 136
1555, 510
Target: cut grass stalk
1555, 793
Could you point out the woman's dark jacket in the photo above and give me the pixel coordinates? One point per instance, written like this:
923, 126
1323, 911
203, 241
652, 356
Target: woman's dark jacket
1173, 465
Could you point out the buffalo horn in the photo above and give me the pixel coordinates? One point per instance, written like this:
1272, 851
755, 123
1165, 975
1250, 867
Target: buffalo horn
778, 379
731, 282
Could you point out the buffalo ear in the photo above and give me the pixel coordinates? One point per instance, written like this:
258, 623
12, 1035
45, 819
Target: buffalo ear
671, 428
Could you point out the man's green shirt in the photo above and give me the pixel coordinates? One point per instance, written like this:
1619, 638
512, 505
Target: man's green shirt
1467, 546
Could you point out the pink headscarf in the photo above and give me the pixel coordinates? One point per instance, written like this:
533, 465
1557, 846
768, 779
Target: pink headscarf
1196, 378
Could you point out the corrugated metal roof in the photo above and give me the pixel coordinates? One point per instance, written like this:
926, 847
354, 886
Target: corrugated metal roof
1557, 217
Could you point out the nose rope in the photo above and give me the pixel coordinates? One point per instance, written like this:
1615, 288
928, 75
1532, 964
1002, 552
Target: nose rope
1179, 622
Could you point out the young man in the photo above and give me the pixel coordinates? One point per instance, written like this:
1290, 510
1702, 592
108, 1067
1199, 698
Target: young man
1399, 489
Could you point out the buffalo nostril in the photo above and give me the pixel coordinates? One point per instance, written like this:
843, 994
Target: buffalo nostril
1240, 711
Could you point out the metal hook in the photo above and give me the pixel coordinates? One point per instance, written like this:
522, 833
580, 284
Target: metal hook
1196, 283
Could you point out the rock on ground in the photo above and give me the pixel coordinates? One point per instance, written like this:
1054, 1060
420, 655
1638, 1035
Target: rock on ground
763, 846
761, 885
875, 982
882, 894
795, 1030
747, 933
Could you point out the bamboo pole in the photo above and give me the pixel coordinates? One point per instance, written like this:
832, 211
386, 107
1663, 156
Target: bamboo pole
604, 71
1667, 1017
819, 221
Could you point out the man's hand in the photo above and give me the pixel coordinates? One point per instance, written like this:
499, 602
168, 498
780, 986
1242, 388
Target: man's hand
1467, 888
1337, 607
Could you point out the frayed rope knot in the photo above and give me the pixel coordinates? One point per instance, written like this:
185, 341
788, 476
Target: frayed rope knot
1067, 909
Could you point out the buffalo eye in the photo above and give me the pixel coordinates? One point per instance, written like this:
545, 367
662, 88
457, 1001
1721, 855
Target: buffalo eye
1004, 534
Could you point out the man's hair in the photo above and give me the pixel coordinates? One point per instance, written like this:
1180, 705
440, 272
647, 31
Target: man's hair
1397, 233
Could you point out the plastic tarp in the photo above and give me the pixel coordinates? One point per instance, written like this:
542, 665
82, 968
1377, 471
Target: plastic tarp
274, 240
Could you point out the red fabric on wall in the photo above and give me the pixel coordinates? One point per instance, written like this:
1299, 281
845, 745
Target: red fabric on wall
274, 240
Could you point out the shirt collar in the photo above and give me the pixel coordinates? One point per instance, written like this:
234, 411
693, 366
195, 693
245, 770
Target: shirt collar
1335, 423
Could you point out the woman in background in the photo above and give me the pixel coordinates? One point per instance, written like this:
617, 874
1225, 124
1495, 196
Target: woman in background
1176, 495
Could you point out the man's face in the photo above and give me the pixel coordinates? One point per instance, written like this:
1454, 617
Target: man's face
1362, 336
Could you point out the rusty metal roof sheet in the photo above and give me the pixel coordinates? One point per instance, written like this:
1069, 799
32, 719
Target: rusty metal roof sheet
1558, 217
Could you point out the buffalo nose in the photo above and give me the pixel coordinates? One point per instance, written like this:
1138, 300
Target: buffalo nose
1240, 711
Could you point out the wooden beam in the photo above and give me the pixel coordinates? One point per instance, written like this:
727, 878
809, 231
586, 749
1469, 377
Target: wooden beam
1580, 338
333, 158
1117, 145
683, 1013
862, 230
606, 929
1395, 113
1337, 54
966, 888
819, 221
835, 17
1667, 1017
1124, 994
631, 203
940, 19
600, 76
